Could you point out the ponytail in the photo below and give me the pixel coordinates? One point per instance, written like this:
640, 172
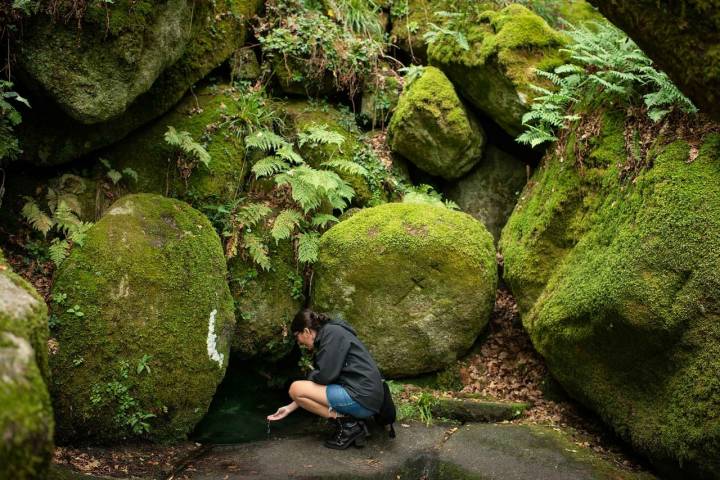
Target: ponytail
306, 318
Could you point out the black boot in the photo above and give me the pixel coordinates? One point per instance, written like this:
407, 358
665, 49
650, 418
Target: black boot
350, 430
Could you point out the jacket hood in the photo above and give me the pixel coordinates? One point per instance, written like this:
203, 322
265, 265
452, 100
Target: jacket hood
339, 323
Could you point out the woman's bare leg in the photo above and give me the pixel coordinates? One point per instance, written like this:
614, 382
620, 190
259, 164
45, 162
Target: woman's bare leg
312, 397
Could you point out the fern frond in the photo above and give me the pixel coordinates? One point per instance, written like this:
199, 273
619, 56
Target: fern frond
320, 135
257, 249
183, 140
78, 233
38, 219
64, 218
265, 140
58, 251
322, 220
308, 247
268, 166
287, 152
130, 173
249, 215
285, 224
345, 166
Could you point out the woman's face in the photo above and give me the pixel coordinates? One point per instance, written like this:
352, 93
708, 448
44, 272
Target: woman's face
306, 338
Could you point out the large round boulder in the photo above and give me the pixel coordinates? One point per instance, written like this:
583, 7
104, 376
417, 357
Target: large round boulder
49, 135
416, 281
26, 419
617, 283
432, 128
145, 321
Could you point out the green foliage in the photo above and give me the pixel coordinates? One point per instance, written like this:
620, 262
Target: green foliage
607, 68
9, 119
304, 46
320, 135
62, 221
116, 176
254, 111
425, 404
451, 29
285, 224
308, 247
411, 73
296, 283
116, 394
426, 194
188, 151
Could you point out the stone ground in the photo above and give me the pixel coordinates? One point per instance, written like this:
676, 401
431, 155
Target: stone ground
471, 451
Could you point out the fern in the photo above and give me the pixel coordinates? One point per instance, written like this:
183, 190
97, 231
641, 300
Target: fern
38, 219
78, 233
64, 218
345, 166
607, 68
265, 140
426, 195
320, 135
285, 224
286, 152
268, 166
183, 141
58, 250
257, 249
308, 247
322, 220
410, 74
250, 215
310, 186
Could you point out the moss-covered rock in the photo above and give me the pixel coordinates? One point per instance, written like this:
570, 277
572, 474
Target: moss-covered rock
26, 419
617, 285
265, 302
432, 128
94, 70
489, 192
49, 136
204, 114
145, 328
495, 72
416, 281
682, 37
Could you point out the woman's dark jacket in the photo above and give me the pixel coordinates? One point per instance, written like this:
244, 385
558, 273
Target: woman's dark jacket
340, 357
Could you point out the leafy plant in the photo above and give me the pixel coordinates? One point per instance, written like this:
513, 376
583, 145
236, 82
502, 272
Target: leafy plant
451, 29
9, 118
115, 176
358, 16
425, 404
426, 195
62, 220
411, 73
606, 68
188, 152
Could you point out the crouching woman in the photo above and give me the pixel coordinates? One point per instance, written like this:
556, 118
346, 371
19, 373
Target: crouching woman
345, 385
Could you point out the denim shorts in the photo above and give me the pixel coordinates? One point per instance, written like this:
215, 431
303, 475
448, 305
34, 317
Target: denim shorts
340, 401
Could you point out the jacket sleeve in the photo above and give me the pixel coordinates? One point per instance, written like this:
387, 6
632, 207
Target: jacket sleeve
330, 357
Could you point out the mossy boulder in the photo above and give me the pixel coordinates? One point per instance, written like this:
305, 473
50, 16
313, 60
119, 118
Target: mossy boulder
26, 418
682, 37
495, 73
434, 130
617, 284
50, 137
489, 192
145, 327
204, 114
417, 282
95, 69
265, 302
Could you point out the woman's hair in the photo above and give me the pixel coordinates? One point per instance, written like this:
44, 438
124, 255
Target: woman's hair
306, 318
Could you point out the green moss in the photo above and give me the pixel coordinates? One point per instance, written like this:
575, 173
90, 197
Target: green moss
205, 115
432, 128
416, 281
148, 282
49, 136
265, 302
618, 288
494, 74
26, 420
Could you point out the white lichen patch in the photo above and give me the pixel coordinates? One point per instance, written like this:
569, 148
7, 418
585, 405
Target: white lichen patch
212, 341
126, 209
